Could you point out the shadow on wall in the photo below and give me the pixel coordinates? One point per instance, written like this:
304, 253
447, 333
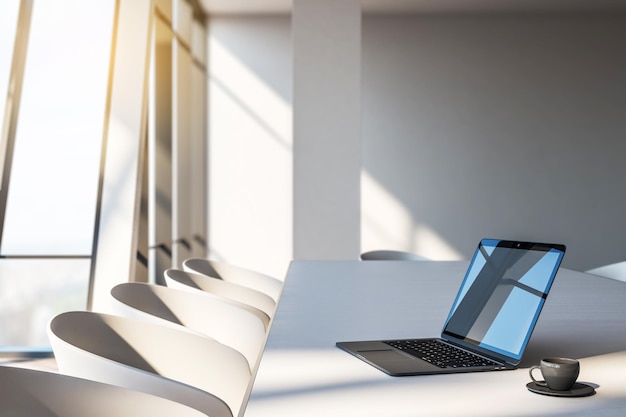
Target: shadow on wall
473, 126
250, 122
496, 126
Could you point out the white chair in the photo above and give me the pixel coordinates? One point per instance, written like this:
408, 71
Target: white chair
616, 271
33, 393
213, 317
155, 359
390, 255
191, 281
232, 273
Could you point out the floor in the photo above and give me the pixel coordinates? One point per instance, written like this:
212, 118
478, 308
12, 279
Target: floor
45, 364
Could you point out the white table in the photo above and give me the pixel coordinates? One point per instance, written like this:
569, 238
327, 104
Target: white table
302, 373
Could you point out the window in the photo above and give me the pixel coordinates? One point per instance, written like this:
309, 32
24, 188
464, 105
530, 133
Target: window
51, 199
96, 167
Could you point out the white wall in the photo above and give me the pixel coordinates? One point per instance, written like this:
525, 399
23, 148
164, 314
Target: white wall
250, 142
492, 126
472, 126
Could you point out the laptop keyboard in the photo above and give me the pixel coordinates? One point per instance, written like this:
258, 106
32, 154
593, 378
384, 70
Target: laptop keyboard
440, 354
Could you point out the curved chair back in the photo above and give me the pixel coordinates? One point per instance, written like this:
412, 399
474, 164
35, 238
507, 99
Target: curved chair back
213, 317
232, 273
27, 392
390, 255
135, 354
255, 300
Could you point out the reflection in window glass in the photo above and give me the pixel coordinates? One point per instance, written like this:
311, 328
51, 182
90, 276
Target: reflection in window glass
8, 23
500, 300
54, 180
32, 292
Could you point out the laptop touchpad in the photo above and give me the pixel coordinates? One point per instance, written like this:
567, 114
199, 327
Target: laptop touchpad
384, 355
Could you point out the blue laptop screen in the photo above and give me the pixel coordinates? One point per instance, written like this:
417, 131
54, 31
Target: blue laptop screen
502, 294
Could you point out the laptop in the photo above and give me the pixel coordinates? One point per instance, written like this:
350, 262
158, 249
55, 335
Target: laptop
491, 319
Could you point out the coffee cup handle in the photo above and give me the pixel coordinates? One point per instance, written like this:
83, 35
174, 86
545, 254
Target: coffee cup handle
540, 383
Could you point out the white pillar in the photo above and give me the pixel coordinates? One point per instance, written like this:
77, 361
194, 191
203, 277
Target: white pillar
118, 218
327, 144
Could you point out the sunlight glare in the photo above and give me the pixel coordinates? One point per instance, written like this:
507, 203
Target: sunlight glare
251, 91
386, 223
250, 165
430, 244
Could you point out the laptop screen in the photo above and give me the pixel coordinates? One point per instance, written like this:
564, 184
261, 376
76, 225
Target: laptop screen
502, 294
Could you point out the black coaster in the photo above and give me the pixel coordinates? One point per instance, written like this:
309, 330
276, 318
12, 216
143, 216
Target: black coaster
579, 389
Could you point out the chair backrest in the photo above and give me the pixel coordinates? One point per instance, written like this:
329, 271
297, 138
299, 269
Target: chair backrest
28, 392
233, 273
213, 317
192, 281
390, 255
136, 354
616, 271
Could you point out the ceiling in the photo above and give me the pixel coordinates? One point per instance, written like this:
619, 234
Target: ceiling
427, 6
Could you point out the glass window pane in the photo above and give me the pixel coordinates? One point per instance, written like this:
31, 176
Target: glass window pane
198, 161
54, 179
160, 151
182, 153
34, 291
8, 23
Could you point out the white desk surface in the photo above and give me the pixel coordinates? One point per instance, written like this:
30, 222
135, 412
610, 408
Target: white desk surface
302, 373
